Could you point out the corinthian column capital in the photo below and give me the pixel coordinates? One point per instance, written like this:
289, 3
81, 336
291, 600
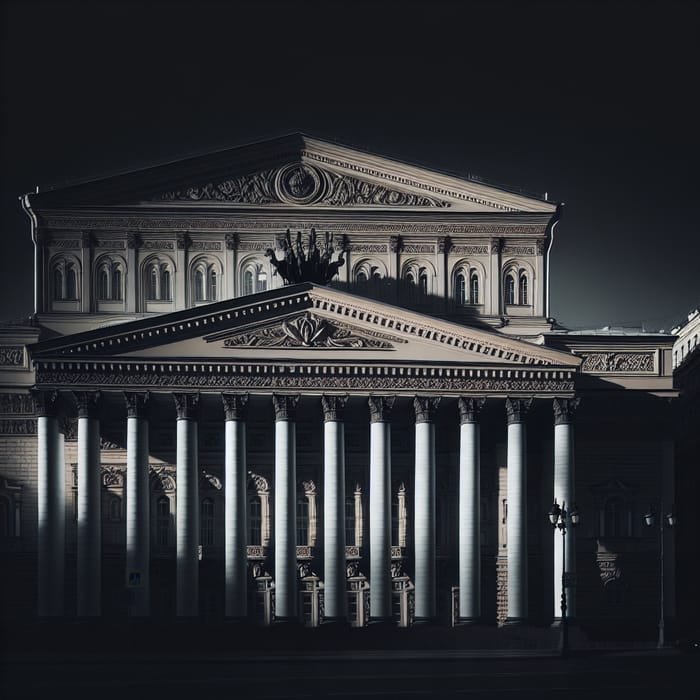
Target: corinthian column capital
285, 406
235, 406
380, 408
470, 409
136, 404
518, 409
564, 410
425, 408
87, 403
187, 405
333, 407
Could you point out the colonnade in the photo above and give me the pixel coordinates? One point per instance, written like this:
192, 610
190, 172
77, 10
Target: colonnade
51, 493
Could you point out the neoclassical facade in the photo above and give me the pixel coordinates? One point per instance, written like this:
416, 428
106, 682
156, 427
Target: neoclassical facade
296, 381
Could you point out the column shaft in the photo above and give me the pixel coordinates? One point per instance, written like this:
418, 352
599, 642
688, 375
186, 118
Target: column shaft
51, 487
235, 479
380, 508
335, 593
564, 494
469, 522
285, 521
89, 580
137, 517
424, 536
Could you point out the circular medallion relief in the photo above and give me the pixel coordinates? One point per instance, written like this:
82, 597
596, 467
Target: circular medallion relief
299, 183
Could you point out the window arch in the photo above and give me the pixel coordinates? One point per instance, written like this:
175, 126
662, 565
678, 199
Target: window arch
157, 279
204, 279
474, 288
468, 281
369, 272
254, 520
254, 277
65, 275
303, 520
109, 279
461, 289
162, 521
418, 275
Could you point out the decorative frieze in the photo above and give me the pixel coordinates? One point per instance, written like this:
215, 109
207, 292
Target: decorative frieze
113, 475
419, 248
17, 426
313, 377
110, 244
88, 403
518, 250
603, 362
136, 404
16, 404
66, 243
206, 245
368, 248
255, 245
470, 249
158, 245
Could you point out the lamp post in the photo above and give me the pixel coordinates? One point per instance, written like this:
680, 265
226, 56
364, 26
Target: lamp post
650, 521
561, 518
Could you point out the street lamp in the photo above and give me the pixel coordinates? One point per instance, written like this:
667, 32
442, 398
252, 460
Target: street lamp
650, 521
561, 518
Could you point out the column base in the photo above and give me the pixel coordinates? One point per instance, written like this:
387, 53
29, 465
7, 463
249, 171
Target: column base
515, 621
425, 621
466, 621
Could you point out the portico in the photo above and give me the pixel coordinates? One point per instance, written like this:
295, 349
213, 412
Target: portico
260, 354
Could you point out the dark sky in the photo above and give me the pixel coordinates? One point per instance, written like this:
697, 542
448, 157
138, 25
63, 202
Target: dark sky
595, 103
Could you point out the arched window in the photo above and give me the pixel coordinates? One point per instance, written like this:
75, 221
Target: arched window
58, 284
254, 521
410, 286
423, 282
212, 285
152, 286
510, 289
71, 283
248, 287
207, 522
162, 520
261, 283
460, 290
474, 289
103, 283
199, 292
523, 296
302, 520
116, 284
165, 289
361, 277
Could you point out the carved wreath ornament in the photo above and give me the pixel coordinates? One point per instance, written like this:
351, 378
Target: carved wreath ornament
307, 331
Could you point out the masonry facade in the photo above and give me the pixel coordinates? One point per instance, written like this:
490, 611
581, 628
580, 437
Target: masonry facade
298, 381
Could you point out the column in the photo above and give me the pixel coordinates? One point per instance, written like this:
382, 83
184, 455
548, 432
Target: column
564, 493
187, 506
380, 507
469, 510
335, 586
424, 521
138, 530
51, 487
235, 481
516, 525
286, 592
89, 550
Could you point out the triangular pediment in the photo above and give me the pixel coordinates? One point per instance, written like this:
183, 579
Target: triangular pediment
295, 171
299, 325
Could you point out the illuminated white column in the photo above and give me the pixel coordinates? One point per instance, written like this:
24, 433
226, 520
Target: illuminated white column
469, 510
516, 525
51, 487
138, 530
235, 480
380, 508
286, 587
564, 494
424, 522
89, 550
187, 505
335, 586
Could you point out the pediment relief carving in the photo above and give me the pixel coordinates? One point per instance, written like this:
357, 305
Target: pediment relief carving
310, 331
300, 183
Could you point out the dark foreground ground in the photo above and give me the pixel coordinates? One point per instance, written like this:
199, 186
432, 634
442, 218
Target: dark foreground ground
180, 661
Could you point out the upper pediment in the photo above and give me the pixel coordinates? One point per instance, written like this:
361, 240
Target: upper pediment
295, 336
293, 171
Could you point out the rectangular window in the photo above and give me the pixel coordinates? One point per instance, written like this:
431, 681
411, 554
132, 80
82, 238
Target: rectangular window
303, 521
207, 521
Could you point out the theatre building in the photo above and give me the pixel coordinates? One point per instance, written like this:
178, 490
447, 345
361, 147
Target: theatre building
297, 381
